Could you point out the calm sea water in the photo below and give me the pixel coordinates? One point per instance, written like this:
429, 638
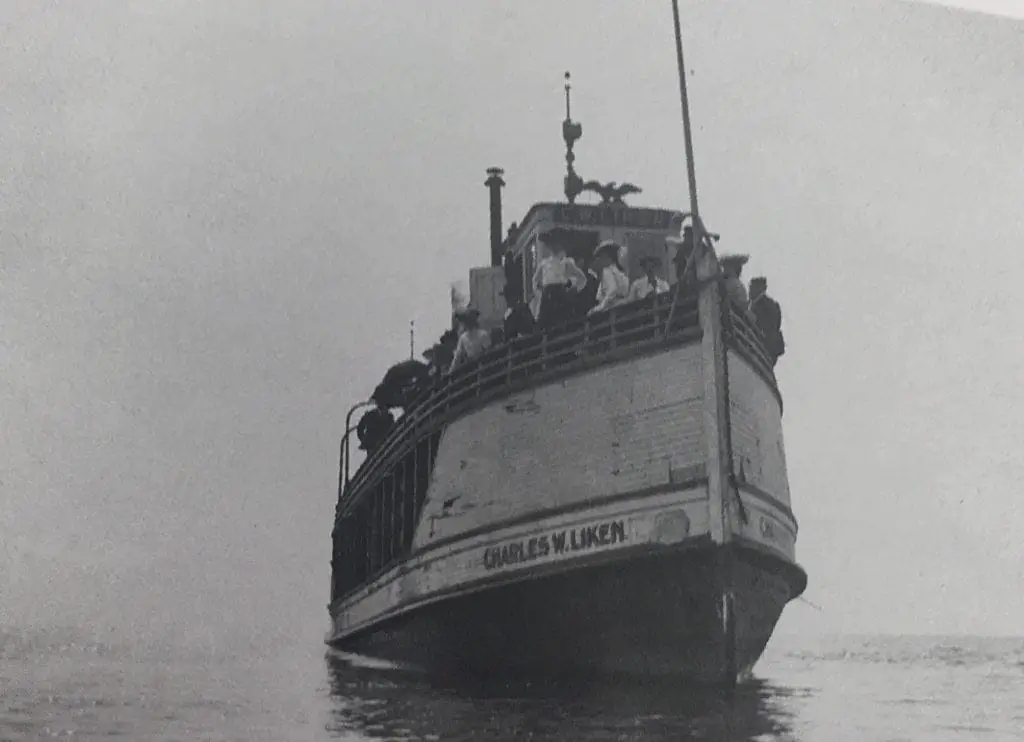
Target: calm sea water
55, 684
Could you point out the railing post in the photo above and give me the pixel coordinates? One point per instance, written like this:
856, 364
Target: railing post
346, 456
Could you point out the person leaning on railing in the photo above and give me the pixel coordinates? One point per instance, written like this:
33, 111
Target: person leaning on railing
614, 287
683, 246
473, 340
374, 427
650, 283
732, 270
768, 314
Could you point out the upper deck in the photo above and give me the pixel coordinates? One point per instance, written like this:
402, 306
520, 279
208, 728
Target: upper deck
625, 332
639, 231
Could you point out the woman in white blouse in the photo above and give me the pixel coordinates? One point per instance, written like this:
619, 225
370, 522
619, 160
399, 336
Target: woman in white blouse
614, 287
556, 275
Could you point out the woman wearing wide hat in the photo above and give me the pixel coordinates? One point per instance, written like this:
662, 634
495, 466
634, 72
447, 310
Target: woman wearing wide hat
614, 287
474, 341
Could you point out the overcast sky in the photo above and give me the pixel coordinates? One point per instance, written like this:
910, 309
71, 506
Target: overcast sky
217, 219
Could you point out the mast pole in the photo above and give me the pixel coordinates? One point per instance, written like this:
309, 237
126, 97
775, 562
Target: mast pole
691, 174
412, 338
715, 379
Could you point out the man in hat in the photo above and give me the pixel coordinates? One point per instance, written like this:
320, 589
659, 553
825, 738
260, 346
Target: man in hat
556, 275
614, 286
519, 320
732, 269
650, 283
684, 248
768, 314
473, 340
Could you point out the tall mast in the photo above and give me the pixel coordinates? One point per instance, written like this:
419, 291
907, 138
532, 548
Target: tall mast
691, 175
720, 480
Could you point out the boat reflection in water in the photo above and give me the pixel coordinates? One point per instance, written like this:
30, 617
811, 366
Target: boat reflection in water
376, 701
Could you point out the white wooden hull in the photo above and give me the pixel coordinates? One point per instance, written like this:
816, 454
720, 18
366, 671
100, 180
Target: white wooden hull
575, 521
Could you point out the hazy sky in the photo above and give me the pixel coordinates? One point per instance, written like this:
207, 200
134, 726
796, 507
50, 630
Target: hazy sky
217, 219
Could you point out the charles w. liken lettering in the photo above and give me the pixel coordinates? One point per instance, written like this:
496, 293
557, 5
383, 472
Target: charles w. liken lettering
557, 542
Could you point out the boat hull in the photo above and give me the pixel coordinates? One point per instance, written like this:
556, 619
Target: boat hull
651, 615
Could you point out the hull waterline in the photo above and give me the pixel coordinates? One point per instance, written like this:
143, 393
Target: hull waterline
652, 616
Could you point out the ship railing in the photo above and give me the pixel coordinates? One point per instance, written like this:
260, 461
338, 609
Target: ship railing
622, 332
744, 336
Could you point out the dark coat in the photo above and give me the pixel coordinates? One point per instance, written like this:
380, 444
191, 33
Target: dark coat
401, 384
373, 428
769, 320
519, 322
587, 297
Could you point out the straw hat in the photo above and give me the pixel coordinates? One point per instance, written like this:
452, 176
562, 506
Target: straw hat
733, 261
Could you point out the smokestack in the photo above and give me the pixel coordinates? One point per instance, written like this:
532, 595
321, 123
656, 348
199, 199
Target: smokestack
494, 183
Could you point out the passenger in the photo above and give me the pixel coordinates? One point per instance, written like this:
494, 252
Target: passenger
614, 286
473, 341
650, 283
732, 268
519, 321
586, 297
554, 278
401, 384
445, 349
434, 368
373, 428
683, 250
768, 314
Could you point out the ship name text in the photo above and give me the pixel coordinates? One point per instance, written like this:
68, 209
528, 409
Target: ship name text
613, 216
557, 542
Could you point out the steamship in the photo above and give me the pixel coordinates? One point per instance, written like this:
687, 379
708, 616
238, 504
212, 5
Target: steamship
608, 496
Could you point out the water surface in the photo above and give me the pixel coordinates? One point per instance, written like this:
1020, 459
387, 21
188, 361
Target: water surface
58, 684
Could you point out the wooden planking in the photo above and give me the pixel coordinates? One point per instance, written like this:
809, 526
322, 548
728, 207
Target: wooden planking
759, 455
615, 430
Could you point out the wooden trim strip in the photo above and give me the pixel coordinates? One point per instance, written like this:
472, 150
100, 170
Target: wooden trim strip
757, 493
